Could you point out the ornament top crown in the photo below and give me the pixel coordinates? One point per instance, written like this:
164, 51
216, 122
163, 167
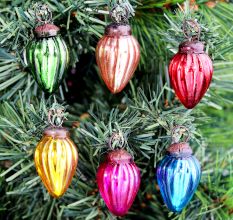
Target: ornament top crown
45, 27
118, 30
192, 32
119, 156
46, 30
57, 132
180, 149
177, 148
190, 47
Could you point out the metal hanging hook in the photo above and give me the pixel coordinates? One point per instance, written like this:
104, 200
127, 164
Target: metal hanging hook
189, 26
56, 115
119, 13
43, 13
117, 139
179, 128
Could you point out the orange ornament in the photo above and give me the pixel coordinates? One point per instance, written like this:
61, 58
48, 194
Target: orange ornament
117, 55
56, 159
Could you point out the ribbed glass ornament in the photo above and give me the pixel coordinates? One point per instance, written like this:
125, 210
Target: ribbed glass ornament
47, 59
117, 55
190, 72
118, 179
178, 177
56, 160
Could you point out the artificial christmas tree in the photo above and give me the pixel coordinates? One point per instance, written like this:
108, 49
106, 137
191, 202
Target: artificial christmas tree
146, 112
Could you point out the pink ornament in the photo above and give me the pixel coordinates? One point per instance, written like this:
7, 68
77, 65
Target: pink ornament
118, 179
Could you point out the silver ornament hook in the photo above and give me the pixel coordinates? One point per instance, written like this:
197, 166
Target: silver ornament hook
119, 13
56, 115
117, 139
43, 13
179, 128
189, 26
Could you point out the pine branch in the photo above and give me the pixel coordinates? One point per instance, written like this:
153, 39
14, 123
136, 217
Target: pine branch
148, 134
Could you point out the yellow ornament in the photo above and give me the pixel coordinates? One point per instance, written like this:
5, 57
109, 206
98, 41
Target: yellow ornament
56, 159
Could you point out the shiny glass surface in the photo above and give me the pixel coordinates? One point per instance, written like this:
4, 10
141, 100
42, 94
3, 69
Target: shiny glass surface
178, 179
117, 58
47, 59
190, 76
56, 161
118, 185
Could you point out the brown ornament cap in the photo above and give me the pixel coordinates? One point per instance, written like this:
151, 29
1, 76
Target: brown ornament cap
191, 47
180, 149
46, 30
119, 156
116, 30
57, 132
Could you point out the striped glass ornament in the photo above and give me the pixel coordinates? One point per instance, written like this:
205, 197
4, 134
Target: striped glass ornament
190, 72
117, 55
56, 159
118, 179
47, 57
178, 176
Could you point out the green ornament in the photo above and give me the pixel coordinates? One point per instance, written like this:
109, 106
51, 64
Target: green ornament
47, 57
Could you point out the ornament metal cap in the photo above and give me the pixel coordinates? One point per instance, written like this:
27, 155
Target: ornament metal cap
119, 156
115, 30
180, 149
191, 47
46, 30
57, 132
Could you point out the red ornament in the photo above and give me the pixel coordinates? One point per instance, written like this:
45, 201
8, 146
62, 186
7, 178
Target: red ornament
190, 71
117, 55
118, 179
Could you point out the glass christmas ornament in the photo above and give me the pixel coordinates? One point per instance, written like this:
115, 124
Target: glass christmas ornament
56, 159
178, 176
117, 56
47, 57
191, 70
118, 180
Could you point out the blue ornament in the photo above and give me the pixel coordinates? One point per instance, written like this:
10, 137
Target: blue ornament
178, 175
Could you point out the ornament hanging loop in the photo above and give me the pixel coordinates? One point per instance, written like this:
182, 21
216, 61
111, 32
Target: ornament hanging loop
191, 29
119, 14
177, 133
42, 13
56, 115
117, 139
